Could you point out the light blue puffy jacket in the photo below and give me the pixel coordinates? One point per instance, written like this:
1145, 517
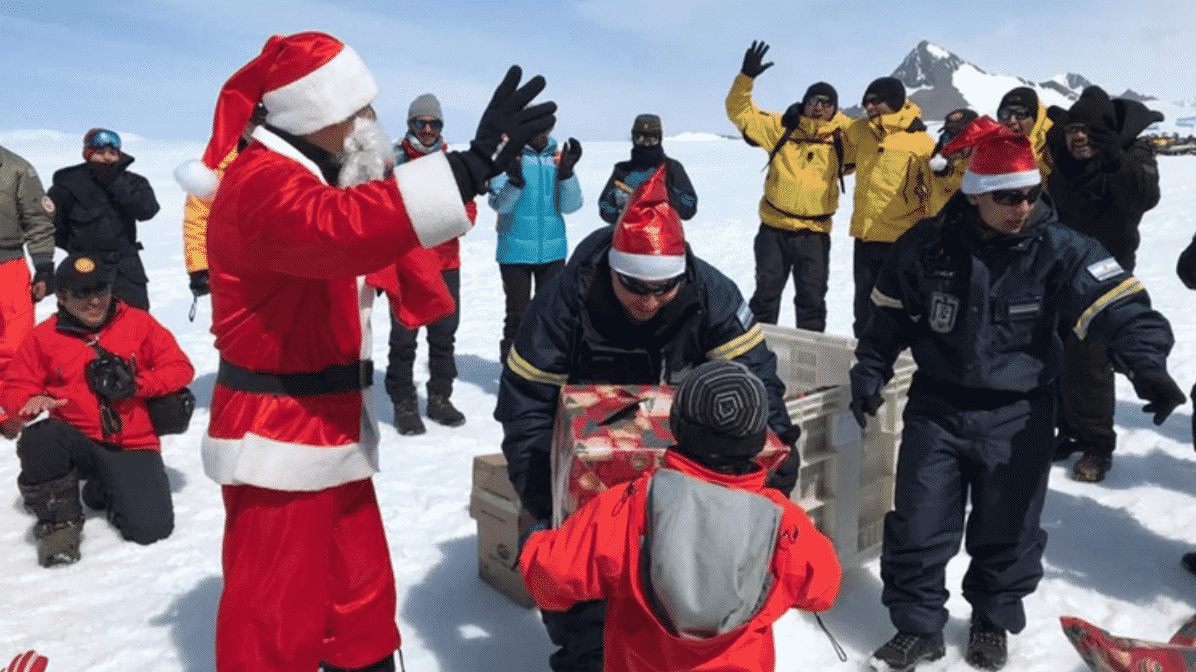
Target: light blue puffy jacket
531, 229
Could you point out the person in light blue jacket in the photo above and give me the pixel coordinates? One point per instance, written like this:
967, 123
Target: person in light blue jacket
531, 199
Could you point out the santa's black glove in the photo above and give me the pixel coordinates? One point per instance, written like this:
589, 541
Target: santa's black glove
1156, 386
508, 114
199, 284
44, 272
1107, 144
1185, 268
570, 154
865, 404
752, 59
784, 476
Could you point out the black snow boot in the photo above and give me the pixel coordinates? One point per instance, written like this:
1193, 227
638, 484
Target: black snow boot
387, 664
987, 648
407, 416
59, 519
905, 650
441, 410
1189, 562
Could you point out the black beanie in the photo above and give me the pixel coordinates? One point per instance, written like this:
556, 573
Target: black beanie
890, 90
1093, 109
822, 89
1023, 96
720, 410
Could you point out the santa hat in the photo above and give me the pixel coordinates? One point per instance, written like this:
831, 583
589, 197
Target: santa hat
649, 241
306, 81
1002, 159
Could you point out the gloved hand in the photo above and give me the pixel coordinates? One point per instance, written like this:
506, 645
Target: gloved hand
752, 66
30, 661
1185, 268
784, 476
42, 284
199, 284
570, 153
507, 114
792, 116
515, 174
869, 404
1106, 142
1156, 386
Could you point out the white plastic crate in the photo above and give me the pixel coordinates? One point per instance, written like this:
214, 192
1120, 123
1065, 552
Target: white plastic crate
846, 480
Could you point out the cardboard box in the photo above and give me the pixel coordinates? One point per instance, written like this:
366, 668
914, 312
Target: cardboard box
495, 506
610, 434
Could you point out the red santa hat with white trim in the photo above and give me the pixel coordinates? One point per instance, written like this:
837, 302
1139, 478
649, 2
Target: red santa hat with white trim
306, 81
1001, 159
649, 240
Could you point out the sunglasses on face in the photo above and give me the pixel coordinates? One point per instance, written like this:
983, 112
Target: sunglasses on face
1011, 111
819, 101
873, 99
645, 139
1075, 129
1016, 196
104, 140
643, 288
86, 294
421, 124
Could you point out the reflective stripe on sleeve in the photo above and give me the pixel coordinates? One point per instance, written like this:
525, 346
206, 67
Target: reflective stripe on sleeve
1129, 286
885, 301
520, 367
738, 345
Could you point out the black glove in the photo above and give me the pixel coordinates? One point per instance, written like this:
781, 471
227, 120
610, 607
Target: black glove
507, 114
792, 116
1185, 268
199, 284
105, 173
752, 66
868, 404
784, 476
1156, 386
1107, 144
111, 377
515, 174
44, 272
570, 153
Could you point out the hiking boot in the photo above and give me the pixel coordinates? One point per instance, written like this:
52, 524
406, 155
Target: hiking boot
987, 649
441, 410
1189, 562
59, 525
904, 651
1065, 447
407, 417
1091, 468
58, 543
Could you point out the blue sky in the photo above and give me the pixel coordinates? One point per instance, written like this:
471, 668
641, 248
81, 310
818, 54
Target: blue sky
154, 68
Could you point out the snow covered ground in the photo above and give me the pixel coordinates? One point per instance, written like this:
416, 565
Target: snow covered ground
1113, 555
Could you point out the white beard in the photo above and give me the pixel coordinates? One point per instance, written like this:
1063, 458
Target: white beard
369, 154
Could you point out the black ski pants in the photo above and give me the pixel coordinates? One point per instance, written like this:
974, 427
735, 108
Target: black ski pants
867, 259
579, 633
517, 286
1001, 459
1088, 396
132, 483
441, 335
806, 254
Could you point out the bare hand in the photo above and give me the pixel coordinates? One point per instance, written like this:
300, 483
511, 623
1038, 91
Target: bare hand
37, 291
39, 403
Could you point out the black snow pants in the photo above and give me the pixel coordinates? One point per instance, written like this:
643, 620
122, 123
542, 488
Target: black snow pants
578, 632
442, 335
517, 286
806, 254
1088, 396
867, 259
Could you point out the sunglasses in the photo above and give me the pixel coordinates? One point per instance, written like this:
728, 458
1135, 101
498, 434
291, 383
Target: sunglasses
103, 140
646, 139
873, 99
421, 124
1010, 111
1016, 196
1075, 129
90, 293
820, 101
642, 288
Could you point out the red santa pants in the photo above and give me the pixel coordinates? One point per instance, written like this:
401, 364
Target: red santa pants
16, 308
307, 580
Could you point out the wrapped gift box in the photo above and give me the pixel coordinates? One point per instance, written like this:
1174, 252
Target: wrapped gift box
609, 434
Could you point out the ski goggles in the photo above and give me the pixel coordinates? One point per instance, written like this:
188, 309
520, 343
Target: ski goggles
102, 139
1011, 111
646, 139
1016, 196
644, 288
422, 124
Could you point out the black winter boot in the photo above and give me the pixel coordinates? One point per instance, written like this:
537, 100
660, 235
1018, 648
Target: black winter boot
59, 519
407, 419
441, 410
387, 664
904, 651
987, 648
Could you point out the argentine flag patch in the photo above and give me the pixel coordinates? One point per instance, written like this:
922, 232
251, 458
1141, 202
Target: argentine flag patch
1105, 269
745, 315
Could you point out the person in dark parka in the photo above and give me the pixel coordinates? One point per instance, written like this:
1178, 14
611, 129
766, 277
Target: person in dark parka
647, 154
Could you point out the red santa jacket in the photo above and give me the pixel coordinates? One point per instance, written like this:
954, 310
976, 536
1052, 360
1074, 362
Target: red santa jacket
52, 362
595, 554
284, 253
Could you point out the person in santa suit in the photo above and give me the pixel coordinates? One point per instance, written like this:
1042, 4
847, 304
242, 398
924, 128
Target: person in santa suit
311, 204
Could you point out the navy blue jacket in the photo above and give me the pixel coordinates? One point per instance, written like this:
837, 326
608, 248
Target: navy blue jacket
628, 175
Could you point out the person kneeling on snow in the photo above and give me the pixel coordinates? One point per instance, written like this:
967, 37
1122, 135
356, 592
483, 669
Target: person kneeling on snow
92, 366
699, 558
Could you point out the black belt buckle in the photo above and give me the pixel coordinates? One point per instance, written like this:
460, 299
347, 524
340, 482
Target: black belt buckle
365, 373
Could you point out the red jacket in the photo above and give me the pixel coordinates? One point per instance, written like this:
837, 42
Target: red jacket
595, 554
284, 253
53, 362
449, 252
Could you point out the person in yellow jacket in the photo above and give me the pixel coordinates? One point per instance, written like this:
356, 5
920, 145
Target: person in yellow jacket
806, 149
948, 170
890, 151
1021, 112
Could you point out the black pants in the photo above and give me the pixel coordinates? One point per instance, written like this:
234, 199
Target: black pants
807, 254
867, 259
1087, 396
133, 482
1001, 458
517, 285
578, 632
441, 335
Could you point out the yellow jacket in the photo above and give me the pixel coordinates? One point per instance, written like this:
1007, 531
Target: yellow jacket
195, 225
943, 187
893, 177
801, 190
1038, 141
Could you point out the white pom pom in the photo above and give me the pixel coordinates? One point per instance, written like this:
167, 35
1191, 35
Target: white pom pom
938, 163
197, 179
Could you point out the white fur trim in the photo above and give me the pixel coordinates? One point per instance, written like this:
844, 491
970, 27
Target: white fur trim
982, 184
648, 267
197, 179
938, 163
327, 95
280, 146
432, 199
279, 465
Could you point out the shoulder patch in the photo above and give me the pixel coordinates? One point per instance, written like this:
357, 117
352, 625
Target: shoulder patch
48, 205
1105, 269
745, 315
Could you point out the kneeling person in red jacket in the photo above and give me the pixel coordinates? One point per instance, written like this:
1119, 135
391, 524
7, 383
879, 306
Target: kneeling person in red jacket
698, 559
99, 428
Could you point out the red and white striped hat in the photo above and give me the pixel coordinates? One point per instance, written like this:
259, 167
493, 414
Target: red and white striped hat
649, 240
1002, 159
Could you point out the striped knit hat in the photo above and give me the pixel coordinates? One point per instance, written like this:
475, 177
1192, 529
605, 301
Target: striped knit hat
719, 410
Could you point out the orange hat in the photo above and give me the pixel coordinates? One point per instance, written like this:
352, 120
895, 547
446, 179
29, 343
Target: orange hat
1002, 159
649, 241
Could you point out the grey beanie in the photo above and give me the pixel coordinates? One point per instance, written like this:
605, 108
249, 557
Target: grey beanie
720, 409
425, 106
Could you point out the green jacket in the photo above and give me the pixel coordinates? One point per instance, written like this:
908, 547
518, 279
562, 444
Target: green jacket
24, 212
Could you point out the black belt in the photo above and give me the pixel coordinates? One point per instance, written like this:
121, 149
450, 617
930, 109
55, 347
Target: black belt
337, 378
804, 218
972, 398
